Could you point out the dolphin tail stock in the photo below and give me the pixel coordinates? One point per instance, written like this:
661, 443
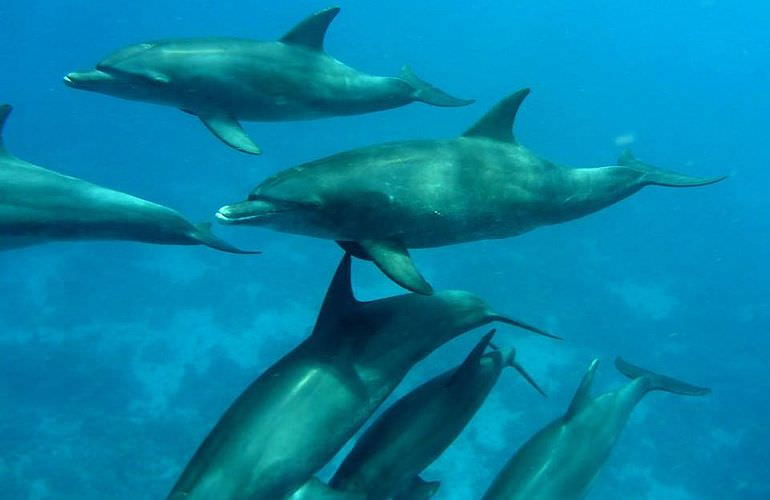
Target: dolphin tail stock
205, 236
509, 355
418, 489
661, 177
427, 93
658, 382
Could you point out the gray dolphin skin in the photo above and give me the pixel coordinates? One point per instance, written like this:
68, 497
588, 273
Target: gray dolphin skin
388, 458
561, 460
224, 80
295, 417
379, 201
38, 205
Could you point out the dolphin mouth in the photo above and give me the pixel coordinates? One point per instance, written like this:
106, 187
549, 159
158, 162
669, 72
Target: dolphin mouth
248, 211
227, 219
87, 79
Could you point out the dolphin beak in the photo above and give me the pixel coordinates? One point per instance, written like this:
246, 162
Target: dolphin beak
87, 79
246, 212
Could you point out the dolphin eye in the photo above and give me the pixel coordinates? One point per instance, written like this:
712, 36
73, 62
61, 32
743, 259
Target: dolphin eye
252, 197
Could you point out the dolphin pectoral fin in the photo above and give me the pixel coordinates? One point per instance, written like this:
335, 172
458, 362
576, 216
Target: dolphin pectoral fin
661, 177
583, 393
311, 31
427, 93
497, 123
230, 132
315, 489
418, 489
659, 382
204, 235
393, 259
472, 360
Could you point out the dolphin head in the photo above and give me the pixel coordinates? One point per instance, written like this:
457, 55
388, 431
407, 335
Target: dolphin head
127, 73
287, 204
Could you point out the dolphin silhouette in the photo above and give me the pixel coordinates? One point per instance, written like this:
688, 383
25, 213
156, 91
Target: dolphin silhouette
38, 205
381, 200
224, 80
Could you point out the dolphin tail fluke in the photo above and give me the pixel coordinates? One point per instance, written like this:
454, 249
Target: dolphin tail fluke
658, 382
205, 236
493, 316
661, 177
427, 93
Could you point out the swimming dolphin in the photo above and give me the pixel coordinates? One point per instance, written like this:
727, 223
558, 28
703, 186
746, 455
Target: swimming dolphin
297, 415
38, 205
388, 458
379, 201
224, 80
561, 460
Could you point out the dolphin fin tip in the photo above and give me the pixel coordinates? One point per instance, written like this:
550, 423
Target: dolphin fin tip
659, 382
430, 94
205, 236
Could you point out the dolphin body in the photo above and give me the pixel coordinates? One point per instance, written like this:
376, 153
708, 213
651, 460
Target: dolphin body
416, 429
38, 205
295, 417
561, 460
381, 200
223, 80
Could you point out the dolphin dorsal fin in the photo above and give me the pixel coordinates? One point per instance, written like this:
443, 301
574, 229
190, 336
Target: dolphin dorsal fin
311, 31
5, 110
472, 360
583, 394
497, 124
339, 297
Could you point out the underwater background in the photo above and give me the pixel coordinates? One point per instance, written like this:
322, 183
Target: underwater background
117, 358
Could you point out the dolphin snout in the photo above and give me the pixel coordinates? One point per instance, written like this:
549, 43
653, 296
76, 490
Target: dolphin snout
86, 79
252, 211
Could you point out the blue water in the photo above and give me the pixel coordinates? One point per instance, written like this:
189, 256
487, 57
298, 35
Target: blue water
117, 358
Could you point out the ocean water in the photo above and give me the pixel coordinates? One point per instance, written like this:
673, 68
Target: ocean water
117, 358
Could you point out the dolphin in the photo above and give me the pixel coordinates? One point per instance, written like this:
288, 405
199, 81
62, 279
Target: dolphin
561, 460
297, 415
388, 458
38, 205
224, 80
381, 200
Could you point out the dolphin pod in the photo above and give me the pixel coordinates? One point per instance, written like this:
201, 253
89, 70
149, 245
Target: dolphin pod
297, 415
379, 201
387, 460
38, 205
561, 460
224, 80
376, 202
